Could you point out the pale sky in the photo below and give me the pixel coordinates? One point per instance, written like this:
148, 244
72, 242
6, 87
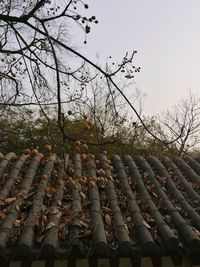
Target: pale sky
166, 34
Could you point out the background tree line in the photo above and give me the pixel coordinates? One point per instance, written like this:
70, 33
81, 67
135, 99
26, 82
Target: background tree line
99, 128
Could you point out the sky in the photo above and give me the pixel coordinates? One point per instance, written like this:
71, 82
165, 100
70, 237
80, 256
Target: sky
166, 35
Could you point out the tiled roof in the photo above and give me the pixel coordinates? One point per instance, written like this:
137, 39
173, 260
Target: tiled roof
82, 208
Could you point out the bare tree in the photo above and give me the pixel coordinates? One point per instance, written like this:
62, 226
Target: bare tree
183, 121
38, 64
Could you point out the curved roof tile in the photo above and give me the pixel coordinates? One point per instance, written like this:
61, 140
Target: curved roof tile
128, 207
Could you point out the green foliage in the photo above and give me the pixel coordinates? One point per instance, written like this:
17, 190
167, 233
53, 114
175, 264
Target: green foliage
26, 129
29, 129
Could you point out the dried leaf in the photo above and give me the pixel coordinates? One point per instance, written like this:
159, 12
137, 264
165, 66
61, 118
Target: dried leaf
16, 223
126, 227
164, 189
106, 209
168, 218
53, 210
110, 237
196, 230
128, 219
110, 178
17, 207
146, 224
145, 174
39, 239
108, 219
101, 172
59, 203
92, 184
154, 194
43, 218
86, 203
10, 200
195, 185
23, 215
84, 224
50, 225
101, 181
2, 215
71, 183
83, 196
86, 233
